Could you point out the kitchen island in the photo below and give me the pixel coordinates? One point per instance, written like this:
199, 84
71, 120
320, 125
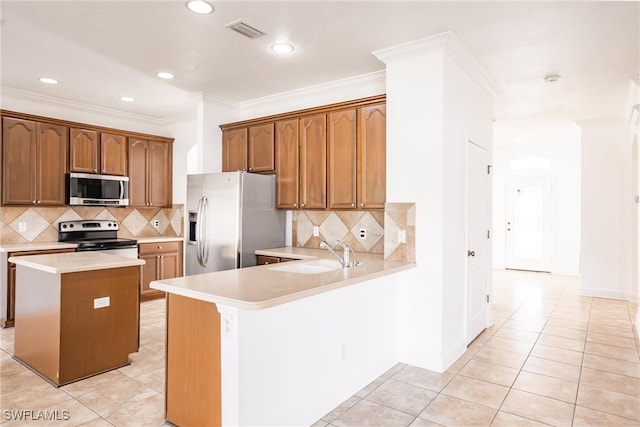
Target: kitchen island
278, 344
76, 313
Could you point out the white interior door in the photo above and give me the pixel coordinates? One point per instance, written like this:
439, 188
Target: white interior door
528, 227
478, 182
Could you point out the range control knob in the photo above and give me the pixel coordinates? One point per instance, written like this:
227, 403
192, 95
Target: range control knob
64, 225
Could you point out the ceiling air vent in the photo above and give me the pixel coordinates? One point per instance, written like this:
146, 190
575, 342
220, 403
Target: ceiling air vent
245, 29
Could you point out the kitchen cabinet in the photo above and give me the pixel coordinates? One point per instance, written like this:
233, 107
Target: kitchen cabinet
150, 178
287, 166
94, 152
113, 154
266, 259
372, 149
249, 149
83, 150
163, 260
34, 161
234, 150
313, 161
342, 163
7, 316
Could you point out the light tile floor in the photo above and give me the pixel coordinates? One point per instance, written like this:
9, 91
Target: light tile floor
552, 358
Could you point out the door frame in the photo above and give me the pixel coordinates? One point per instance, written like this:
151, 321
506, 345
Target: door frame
548, 183
488, 243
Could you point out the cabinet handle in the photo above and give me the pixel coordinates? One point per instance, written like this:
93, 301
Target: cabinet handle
362, 205
295, 205
302, 205
34, 202
266, 262
159, 247
353, 205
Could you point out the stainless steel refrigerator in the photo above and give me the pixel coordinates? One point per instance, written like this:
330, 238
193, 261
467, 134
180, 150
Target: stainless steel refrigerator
229, 216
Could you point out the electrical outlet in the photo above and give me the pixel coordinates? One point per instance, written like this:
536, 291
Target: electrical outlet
402, 236
22, 227
156, 223
316, 231
363, 233
101, 302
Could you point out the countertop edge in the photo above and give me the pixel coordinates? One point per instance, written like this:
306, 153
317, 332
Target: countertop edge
25, 247
261, 305
121, 262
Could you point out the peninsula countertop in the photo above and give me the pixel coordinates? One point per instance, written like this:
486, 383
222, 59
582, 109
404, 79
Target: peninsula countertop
75, 261
260, 287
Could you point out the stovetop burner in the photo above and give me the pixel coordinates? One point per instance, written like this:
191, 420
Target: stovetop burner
93, 234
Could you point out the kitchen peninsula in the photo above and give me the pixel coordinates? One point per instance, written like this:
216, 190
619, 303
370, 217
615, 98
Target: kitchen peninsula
76, 313
278, 344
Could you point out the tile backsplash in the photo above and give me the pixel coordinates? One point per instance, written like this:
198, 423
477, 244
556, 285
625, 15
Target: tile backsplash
391, 232
40, 224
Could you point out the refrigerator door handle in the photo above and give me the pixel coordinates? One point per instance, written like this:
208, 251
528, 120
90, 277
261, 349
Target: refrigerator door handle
203, 234
199, 232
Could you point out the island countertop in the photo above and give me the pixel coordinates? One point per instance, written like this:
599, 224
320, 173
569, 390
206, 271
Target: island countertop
74, 261
260, 287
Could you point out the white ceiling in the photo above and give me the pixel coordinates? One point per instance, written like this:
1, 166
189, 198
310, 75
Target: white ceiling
100, 50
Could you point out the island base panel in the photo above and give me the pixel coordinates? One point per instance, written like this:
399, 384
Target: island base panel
60, 335
193, 387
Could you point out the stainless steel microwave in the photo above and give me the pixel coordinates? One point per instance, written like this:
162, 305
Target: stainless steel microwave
86, 189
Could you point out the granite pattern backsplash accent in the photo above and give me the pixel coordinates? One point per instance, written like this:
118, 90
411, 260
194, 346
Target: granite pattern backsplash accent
41, 222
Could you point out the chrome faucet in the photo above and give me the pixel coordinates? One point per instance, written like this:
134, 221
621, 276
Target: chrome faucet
345, 259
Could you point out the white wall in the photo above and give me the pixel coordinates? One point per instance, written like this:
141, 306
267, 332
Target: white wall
559, 141
433, 102
605, 263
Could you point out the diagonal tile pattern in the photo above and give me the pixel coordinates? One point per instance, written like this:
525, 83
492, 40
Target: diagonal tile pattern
507, 377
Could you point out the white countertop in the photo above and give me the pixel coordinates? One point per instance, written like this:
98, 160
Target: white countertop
74, 261
260, 287
41, 246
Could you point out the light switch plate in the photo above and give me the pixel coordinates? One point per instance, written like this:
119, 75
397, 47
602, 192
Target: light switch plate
22, 227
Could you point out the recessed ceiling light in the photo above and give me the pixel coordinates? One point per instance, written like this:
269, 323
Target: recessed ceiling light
282, 48
200, 6
48, 80
126, 99
165, 75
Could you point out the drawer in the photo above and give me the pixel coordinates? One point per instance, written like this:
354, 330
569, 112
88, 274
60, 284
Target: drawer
158, 247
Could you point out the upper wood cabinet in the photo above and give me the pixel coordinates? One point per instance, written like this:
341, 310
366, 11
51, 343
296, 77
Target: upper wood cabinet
313, 161
372, 149
342, 164
34, 161
113, 154
249, 149
234, 150
150, 181
261, 156
287, 170
83, 150
93, 152
332, 156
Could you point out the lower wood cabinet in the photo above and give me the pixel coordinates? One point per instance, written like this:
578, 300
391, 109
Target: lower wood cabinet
7, 317
163, 260
265, 259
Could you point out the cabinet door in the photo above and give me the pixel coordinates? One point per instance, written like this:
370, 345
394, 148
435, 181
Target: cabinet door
148, 273
313, 162
341, 148
138, 158
286, 152
372, 152
159, 175
51, 163
169, 266
83, 150
234, 150
113, 154
18, 161
261, 148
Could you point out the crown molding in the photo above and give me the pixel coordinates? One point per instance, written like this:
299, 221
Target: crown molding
349, 88
447, 42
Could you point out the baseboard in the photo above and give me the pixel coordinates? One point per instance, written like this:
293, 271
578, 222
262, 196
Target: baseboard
605, 293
